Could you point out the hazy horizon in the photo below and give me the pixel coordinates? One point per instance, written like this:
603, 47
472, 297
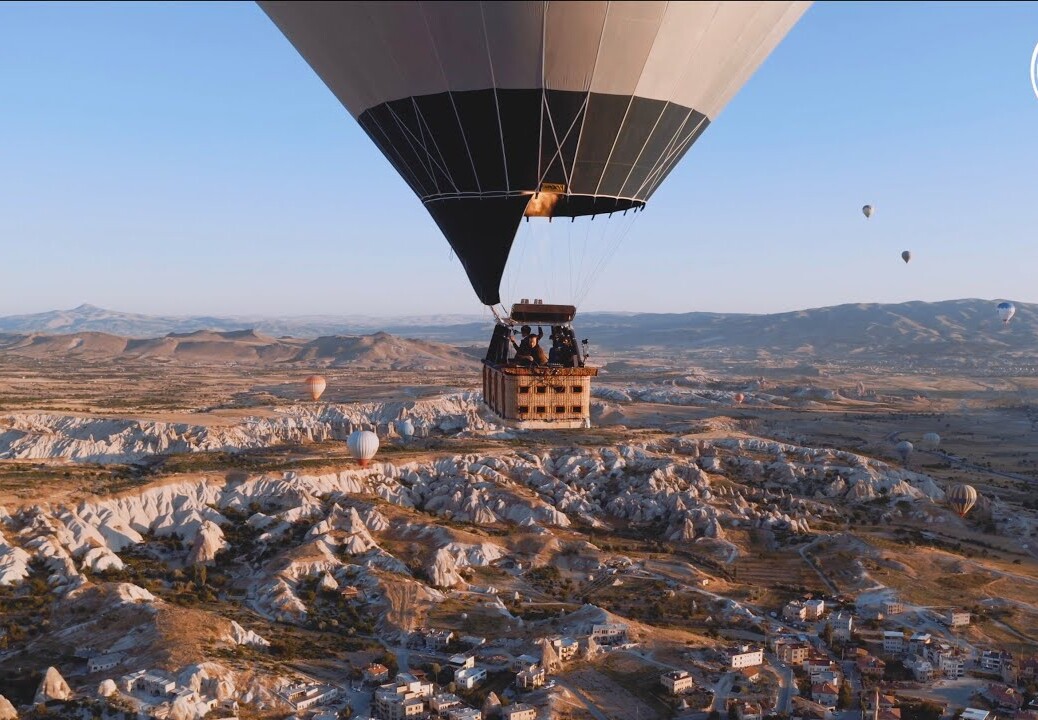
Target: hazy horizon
182, 159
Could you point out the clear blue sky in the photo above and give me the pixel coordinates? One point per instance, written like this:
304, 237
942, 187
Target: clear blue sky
182, 158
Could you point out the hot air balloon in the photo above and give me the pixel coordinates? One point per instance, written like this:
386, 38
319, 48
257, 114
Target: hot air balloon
904, 449
962, 498
363, 445
1006, 311
867, 211
315, 385
492, 111
906, 256
405, 428
931, 440
739, 397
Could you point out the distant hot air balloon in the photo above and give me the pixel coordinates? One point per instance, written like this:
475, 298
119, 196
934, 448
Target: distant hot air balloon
906, 256
904, 449
316, 385
931, 440
1006, 311
405, 428
363, 445
867, 210
962, 498
739, 397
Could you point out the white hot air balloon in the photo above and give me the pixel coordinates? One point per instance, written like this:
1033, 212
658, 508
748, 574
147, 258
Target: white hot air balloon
867, 211
1006, 311
363, 445
904, 449
405, 428
931, 441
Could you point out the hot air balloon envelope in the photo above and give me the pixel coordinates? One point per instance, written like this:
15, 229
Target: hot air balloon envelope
1006, 311
906, 256
867, 211
363, 445
315, 385
962, 498
495, 110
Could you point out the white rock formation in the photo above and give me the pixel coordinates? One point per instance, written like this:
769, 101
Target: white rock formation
107, 688
52, 687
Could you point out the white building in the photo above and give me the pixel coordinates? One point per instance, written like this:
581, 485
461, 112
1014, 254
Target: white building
794, 611
460, 661
893, 606
976, 714
519, 711
531, 678
469, 678
920, 668
814, 609
991, 660
442, 703
306, 695
893, 642
676, 681
104, 662
395, 702
524, 662
438, 639
744, 656
842, 624
956, 618
464, 713
609, 633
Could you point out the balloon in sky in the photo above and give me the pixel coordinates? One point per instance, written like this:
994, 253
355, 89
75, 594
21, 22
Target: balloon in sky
739, 397
867, 210
492, 111
962, 498
904, 449
315, 385
932, 440
363, 445
1006, 311
906, 256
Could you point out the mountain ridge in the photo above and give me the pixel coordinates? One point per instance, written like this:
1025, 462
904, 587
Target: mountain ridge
945, 328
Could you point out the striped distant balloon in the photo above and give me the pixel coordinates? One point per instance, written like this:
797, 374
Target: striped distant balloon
363, 445
962, 498
492, 111
904, 449
315, 385
931, 440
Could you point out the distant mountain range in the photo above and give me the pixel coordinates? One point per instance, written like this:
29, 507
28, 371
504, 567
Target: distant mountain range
940, 329
380, 351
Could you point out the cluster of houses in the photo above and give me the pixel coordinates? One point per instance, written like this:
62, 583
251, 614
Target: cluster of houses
411, 695
156, 694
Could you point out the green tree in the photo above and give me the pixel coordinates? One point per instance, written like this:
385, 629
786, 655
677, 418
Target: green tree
846, 696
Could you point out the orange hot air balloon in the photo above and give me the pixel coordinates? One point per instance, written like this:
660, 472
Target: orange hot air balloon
739, 397
315, 384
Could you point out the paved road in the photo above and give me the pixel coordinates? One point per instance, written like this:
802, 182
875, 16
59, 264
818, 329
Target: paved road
787, 685
721, 690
